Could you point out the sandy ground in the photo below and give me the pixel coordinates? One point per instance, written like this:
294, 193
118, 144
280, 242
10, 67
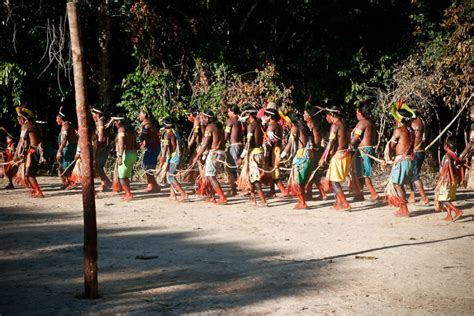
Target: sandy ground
234, 259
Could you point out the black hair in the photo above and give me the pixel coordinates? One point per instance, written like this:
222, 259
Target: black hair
272, 113
208, 113
364, 109
312, 111
168, 122
235, 109
335, 110
407, 117
293, 116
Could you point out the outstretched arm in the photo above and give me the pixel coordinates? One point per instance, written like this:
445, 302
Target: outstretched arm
204, 145
291, 142
332, 139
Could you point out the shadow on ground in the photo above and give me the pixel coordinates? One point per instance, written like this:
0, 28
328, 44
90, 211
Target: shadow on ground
144, 269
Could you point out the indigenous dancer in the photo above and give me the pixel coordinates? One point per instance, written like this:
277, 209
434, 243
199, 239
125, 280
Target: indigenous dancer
194, 143
9, 169
195, 138
150, 140
233, 135
213, 138
402, 143
101, 149
314, 126
171, 154
419, 150
272, 146
29, 144
363, 140
67, 148
299, 142
126, 149
449, 179
252, 158
338, 149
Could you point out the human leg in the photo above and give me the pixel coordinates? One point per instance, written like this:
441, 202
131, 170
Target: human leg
125, 183
258, 188
403, 211
373, 193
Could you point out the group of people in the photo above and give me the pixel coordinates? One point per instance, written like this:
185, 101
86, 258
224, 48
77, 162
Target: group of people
252, 148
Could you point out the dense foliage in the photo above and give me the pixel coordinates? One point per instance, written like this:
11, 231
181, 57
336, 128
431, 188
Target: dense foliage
173, 55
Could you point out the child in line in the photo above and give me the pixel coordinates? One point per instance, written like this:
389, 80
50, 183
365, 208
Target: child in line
451, 174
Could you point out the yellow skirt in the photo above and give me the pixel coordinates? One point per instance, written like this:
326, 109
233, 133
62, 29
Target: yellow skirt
447, 193
339, 166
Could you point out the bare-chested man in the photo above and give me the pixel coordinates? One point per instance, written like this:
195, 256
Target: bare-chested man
28, 149
150, 140
195, 138
215, 139
419, 150
172, 155
401, 144
194, 143
363, 141
101, 148
233, 135
273, 146
338, 149
310, 117
67, 148
300, 144
253, 152
126, 148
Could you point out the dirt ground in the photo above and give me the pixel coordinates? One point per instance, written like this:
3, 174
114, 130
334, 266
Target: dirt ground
159, 256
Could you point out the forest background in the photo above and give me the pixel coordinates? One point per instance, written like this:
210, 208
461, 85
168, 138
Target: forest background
209, 54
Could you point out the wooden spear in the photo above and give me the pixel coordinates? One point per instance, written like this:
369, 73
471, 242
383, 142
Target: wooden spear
83, 118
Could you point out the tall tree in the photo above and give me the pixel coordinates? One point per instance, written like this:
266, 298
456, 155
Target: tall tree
83, 117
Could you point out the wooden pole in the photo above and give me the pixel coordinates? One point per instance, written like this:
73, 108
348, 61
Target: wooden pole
83, 118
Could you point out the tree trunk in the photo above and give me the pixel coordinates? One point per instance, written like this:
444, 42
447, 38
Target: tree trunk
105, 81
83, 118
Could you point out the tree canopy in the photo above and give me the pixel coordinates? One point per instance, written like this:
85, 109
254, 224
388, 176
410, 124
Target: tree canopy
170, 55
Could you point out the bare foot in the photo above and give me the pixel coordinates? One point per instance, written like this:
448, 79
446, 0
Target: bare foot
344, 208
456, 217
184, 198
424, 202
37, 195
104, 187
221, 201
210, 200
301, 206
252, 200
283, 195
152, 189
400, 213
127, 197
375, 197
